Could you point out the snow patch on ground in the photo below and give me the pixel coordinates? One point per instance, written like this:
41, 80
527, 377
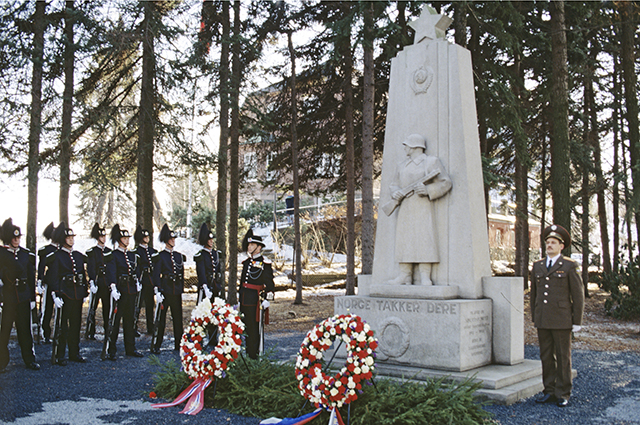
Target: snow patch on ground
85, 411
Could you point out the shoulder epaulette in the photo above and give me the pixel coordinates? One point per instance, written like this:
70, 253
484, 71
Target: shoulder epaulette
49, 259
266, 260
32, 258
155, 257
197, 257
108, 256
90, 250
184, 257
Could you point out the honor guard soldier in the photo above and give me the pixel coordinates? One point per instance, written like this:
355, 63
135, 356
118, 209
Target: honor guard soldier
256, 282
557, 304
97, 256
43, 287
145, 252
69, 285
207, 266
18, 272
123, 275
168, 278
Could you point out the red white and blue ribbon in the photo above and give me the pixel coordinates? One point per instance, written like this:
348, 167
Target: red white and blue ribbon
194, 394
293, 421
335, 418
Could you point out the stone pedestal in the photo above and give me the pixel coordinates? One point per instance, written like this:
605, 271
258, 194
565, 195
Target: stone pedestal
507, 294
452, 335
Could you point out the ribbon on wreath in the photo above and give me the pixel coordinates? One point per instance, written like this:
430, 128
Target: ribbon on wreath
194, 394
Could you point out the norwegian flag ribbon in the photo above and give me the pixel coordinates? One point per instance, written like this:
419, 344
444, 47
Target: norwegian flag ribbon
194, 394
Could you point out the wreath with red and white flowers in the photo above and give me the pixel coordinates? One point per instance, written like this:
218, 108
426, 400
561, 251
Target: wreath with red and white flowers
329, 391
199, 364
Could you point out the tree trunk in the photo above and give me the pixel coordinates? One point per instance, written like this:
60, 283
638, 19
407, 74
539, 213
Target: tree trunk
522, 183
67, 113
345, 43
460, 23
221, 196
594, 143
297, 248
626, 9
560, 121
585, 164
615, 189
35, 123
368, 117
234, 145
146, 130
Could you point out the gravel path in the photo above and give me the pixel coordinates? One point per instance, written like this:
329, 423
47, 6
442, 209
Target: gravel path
606, 391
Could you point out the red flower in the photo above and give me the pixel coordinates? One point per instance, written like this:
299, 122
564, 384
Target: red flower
152, 394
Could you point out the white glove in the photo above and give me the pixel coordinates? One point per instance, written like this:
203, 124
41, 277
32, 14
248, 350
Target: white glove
138, 285
265, 304
33, 305
576, 328
39, 287
59, 302
93, 287
159, 297
114, 292
207, 292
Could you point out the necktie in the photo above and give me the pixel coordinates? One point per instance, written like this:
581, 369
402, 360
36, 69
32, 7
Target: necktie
549, 264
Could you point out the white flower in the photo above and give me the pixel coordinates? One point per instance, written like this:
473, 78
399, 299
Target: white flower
334, 392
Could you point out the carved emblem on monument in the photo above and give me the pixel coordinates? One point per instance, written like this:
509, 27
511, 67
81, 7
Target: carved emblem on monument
394, 337
422, 79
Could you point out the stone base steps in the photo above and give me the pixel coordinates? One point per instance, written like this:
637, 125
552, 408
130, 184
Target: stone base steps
500, 384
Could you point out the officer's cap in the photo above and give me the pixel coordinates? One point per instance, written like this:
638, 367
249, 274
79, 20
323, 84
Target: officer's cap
250, 237
558, 232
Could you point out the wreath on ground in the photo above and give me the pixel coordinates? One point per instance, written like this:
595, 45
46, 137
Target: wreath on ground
210, 322
330, 391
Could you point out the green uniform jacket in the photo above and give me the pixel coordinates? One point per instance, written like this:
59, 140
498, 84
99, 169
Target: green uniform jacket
557, 294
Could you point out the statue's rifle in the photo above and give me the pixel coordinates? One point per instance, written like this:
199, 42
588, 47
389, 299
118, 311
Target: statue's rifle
391, 205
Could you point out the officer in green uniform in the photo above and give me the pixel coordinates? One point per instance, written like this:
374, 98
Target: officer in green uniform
557, 304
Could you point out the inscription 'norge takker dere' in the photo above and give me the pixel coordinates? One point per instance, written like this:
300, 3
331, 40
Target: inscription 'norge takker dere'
400, 306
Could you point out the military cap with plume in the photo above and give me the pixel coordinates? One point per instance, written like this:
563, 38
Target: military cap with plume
48, 231
166, 234
140, 234
204, 235
97, 231
117, 234
250, 237
9, 231
61, 233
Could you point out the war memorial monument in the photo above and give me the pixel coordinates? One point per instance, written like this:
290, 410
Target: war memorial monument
431, 299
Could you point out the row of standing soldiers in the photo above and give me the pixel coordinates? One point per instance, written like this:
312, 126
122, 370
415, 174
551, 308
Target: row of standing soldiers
123, 281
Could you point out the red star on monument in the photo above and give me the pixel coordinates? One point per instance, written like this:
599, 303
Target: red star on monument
430, 25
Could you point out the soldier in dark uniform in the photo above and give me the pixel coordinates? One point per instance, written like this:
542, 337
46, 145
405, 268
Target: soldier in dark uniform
123, 275
207, 266
557, 304
97, 256
145, 252
18, 273
43, 288
168, 278
255, 282
69, 285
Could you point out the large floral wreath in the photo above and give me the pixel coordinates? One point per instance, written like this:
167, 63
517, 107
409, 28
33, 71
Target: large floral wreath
329, 391
200, 364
